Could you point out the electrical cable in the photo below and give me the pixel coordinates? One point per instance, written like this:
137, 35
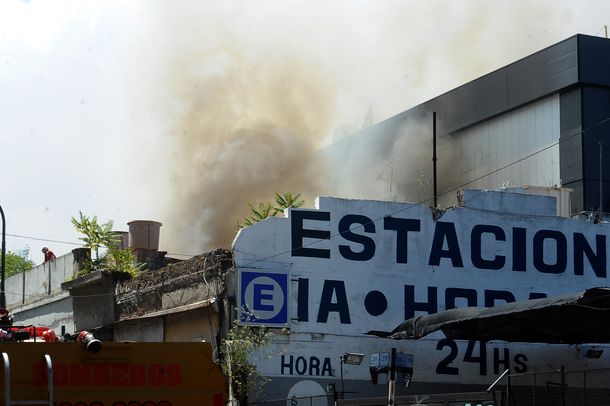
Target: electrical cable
80, 244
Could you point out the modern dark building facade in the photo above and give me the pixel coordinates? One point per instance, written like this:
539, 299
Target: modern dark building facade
543, 120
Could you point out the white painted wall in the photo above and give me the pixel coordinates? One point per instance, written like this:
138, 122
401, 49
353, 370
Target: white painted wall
268, 246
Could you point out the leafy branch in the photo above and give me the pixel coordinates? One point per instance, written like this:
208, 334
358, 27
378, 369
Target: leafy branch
238, 351
97, 236
267, 209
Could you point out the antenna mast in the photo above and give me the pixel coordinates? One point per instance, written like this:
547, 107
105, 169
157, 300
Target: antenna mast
434, 157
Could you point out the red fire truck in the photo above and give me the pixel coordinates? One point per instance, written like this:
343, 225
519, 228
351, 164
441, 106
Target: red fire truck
85, 372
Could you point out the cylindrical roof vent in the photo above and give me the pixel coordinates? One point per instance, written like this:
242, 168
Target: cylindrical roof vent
144, 234
122, 238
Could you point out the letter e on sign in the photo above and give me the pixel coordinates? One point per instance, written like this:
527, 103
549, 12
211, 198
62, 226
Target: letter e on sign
263, 297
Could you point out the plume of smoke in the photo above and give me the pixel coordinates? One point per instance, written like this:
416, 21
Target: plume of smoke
243, 133
414, 180
460, 42
393, 163
262, 89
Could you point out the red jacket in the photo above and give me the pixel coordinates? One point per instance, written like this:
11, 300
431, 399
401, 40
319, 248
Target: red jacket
49, 256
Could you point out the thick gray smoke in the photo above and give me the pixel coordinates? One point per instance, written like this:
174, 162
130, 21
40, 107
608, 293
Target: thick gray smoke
244, 134
255, 92
393, 163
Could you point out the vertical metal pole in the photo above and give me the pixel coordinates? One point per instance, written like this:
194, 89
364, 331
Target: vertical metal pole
584, 387
7, 379
434, 158
342, 388
232, 400
50, 390
23, 288
535, 383
49, 284
601, 185
392, 380
3, 270
508, 398
563, 386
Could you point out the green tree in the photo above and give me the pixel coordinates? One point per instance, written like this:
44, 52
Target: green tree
122, 260
266, 209
259, 213
97, 236
16, 263
288, 200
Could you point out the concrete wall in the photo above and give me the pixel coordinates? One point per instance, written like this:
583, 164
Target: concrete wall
195, 325
35, 297
514, 201
54, 312
146, 330
93, 296
199, 324
40, 282
162, 299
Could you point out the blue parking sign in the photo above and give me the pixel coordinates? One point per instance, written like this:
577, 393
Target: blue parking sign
263, 297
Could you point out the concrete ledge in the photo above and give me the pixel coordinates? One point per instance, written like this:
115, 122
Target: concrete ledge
41, 302
84, 281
